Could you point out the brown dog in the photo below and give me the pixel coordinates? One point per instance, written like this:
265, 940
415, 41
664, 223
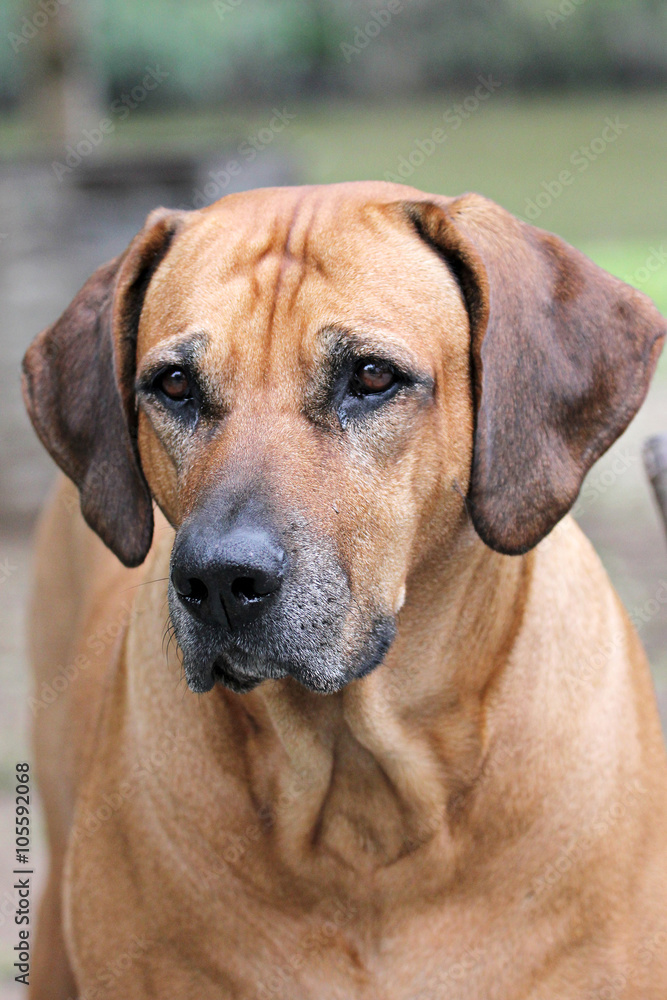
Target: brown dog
419, 755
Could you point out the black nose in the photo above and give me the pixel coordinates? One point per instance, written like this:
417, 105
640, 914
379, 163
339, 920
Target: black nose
226, 579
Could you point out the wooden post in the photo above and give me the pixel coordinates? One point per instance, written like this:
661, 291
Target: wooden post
655, 463
66, 88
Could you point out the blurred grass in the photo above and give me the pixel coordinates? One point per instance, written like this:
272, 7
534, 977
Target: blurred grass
507, 147
627, 259
615, 210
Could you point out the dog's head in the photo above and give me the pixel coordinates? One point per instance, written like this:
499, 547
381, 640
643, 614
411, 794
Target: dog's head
316, 386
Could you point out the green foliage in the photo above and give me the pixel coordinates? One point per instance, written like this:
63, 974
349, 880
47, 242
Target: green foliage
217, 50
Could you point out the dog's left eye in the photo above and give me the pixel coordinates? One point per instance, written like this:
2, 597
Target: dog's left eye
175, 384
373, 377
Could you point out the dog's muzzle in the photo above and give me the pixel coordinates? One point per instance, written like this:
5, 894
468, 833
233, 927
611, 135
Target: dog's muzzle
248, 605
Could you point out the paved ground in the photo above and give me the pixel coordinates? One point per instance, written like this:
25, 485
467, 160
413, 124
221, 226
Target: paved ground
52, 239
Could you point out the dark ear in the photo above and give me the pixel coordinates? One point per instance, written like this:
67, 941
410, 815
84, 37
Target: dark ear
562, 357
78, 379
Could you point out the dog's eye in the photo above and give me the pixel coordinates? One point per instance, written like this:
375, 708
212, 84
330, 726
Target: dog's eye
174, 383
372, 377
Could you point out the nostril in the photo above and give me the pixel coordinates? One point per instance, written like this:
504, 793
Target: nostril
198, 590
193, 590
244, 588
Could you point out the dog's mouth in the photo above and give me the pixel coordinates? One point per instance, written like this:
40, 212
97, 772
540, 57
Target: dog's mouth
237, 670
240, 672
228, 674
221, 674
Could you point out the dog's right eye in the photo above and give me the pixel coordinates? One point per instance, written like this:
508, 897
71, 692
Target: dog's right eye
372, 378
174, 383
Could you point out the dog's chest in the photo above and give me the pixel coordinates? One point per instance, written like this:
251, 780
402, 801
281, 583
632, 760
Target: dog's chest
147, 920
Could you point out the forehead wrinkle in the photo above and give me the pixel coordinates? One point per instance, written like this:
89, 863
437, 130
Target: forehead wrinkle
285, 258
295, 255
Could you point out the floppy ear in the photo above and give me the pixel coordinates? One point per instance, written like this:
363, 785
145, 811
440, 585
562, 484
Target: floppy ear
562, 356
78, 386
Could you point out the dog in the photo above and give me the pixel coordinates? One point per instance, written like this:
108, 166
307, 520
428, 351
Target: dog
332, 697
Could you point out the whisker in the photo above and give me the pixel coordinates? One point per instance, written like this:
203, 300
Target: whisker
168, 634
466, 500
145, 583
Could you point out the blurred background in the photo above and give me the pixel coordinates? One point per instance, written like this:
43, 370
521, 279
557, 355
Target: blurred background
554, 108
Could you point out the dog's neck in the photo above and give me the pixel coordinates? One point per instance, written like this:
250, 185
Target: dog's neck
385, 766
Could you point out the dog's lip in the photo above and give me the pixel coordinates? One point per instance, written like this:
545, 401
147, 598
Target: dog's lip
224, 673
